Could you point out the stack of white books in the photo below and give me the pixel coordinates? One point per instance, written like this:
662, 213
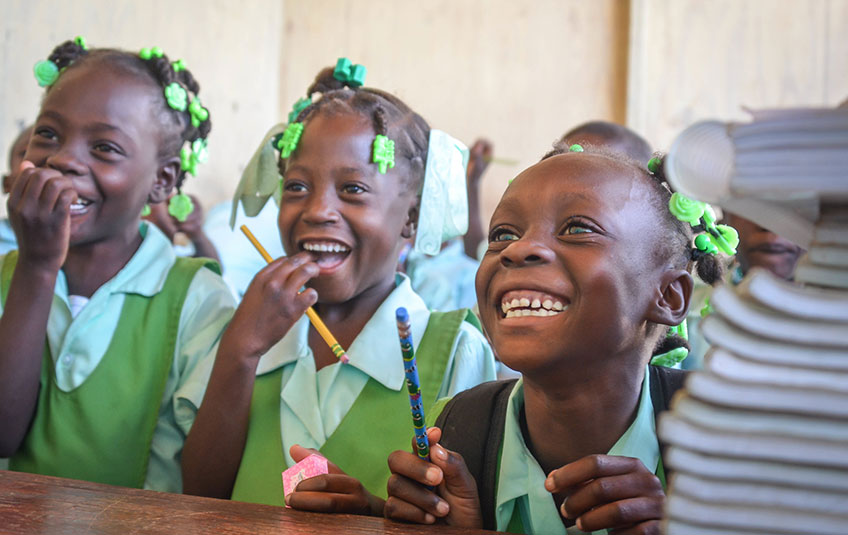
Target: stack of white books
758, 440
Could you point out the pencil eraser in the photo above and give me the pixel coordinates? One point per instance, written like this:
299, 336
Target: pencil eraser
312, 466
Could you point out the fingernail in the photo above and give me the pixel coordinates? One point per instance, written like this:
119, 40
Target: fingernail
549, 484
439, 452
429, 519
442, 507
562, 509
432, 475
579, 524
286, 499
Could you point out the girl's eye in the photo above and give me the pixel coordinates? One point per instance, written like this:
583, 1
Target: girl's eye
106, 147
45, 133
294, 187
577, 228
502, 235
353, 188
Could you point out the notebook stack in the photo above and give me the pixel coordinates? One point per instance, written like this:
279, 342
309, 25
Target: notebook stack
758, 440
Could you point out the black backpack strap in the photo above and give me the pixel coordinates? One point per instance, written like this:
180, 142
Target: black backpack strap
472, 425
664, 383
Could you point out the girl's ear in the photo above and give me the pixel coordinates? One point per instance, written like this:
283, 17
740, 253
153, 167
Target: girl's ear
166, 179
672, 303
411, 224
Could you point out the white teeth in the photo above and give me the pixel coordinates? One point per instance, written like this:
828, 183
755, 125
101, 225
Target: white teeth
505, 307
547, 303
324, 247
514, 303
524, 302
535, 304
558, 306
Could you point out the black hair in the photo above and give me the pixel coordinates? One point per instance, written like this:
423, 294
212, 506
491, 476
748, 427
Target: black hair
616, 137
678, 246
176, 126
390, 117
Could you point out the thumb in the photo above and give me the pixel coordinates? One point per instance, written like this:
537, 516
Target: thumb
299, 453
26, 164
457, 479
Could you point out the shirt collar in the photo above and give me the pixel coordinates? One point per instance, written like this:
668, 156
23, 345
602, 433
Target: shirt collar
376, 349
146, 271
521, 478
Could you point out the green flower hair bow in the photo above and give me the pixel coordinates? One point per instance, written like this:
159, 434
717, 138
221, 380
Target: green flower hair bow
352, 75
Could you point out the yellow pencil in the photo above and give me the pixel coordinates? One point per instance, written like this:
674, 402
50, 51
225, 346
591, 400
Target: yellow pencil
322, 329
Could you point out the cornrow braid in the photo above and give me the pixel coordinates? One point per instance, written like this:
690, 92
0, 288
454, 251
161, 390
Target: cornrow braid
389, 116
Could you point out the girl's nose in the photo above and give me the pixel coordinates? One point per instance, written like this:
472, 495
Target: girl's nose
321, 208
66, 160
526, 252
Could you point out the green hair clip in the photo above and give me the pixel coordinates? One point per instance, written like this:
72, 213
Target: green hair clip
180, 207
290, 139
384, 153
179, 65
145, 210
723, 238
676, 355
79, 40
575, 148
299, 106
198, 112
352, 75
191, 156
45, 72
149, 53
177, 96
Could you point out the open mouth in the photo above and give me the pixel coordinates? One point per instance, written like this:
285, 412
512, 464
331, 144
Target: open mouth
327, 254
520, 303
80, 205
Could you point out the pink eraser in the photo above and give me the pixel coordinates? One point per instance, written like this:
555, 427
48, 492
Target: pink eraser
312, 466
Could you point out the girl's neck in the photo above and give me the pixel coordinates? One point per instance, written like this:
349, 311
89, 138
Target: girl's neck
583, 413
89, 266
346, 320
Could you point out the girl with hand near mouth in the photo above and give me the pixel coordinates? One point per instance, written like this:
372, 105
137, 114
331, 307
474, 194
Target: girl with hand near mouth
102, 326
355, 165
586, 269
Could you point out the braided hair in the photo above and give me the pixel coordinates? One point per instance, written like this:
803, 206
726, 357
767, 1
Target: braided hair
677, 247
389, 116
176, 126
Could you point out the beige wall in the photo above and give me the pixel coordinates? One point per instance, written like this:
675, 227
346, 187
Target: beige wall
519, 72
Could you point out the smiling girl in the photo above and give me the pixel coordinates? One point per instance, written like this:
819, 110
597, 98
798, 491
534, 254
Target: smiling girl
346, 210
586, 269
101, 325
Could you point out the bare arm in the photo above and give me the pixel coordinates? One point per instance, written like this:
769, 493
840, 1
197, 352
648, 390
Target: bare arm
480, 154
39, 209
214, 447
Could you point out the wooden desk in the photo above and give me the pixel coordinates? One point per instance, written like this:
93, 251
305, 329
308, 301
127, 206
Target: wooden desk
32, 503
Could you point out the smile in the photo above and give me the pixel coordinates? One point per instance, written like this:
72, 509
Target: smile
328, 254
519, 303
80, 206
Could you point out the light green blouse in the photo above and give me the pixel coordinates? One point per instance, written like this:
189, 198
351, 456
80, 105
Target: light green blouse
521, 481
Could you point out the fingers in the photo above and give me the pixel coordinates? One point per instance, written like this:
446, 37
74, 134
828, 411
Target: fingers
626, 514
412, 467
572, 475
411, 502
651, 527
606, 490
458, 481
434, 434
299, 453
330, 493
399, 510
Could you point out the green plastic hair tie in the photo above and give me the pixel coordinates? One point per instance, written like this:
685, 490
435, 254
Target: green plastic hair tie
352, 75
725, 238
679, 330
176, 96
178, 65
670, 358
80, 42
180, 207
145, 210
575, 148
686, 209
198, 112
190, 157
299, 106
707, 309
290, 139
705, 244
654, 165
45, 72
384, 153
149, 53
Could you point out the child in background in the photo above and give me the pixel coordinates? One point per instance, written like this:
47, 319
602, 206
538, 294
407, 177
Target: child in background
192, 227
585, 271
759, 247
346, 208
16, 156
102, 326
614, 137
